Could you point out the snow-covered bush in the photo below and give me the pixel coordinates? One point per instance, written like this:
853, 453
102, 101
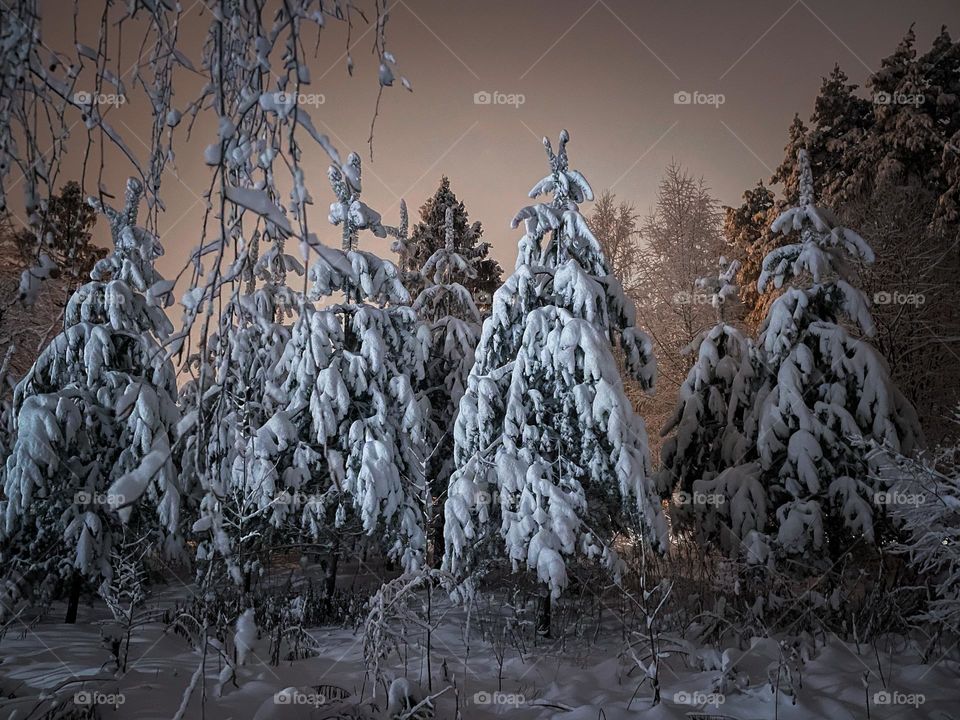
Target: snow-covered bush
551, 461
95, 421
923, 499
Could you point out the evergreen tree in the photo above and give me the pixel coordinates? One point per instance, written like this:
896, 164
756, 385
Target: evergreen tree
346, 444
888, 165
233, 390
449, 311
551, 461
786, 174
64, 224
747, 231
429, 236
829, 390
95, 421
712, 425
838, 125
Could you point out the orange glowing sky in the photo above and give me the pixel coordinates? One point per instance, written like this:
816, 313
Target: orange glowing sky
607, 70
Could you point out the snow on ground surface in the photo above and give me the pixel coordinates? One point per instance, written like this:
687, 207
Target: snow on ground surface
576, 678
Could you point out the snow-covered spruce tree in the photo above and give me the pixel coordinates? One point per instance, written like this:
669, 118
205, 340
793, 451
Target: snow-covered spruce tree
429, 235
242, 354
712, 425
347, 442
95, 420
233, 332
551, 461
448, 309
830, 391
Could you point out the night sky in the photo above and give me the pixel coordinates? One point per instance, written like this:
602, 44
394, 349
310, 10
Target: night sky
607, 70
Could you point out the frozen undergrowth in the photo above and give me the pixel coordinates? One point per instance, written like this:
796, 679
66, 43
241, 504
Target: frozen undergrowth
487, 661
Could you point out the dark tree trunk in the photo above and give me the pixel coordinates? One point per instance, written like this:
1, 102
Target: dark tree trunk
331, 575
73, 600
543, 622
438, 544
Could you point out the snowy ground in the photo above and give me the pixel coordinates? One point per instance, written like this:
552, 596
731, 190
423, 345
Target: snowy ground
577, 675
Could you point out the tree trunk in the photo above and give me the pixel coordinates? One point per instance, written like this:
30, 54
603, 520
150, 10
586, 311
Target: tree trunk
543, 622
438, 544
73, 601
331, 575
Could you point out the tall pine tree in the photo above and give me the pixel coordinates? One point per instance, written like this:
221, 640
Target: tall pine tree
830, 390
552, 463
429, 235
449, 311
95, 421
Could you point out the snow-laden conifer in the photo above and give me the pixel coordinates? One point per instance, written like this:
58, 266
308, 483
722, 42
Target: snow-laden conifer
551, 461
